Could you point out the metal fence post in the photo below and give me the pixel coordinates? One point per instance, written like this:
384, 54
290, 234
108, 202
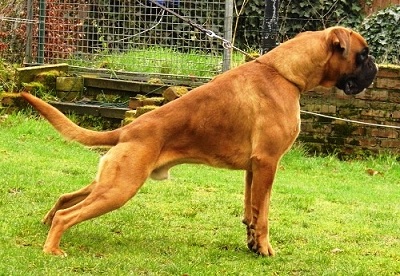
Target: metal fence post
270, 26
226, 61
28, 47
42, 20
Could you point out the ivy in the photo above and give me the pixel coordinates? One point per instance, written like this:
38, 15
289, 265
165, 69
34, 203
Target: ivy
382, 32
381, 29
295, 17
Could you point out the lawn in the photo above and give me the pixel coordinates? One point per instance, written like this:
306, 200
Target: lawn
162, 61
328, 217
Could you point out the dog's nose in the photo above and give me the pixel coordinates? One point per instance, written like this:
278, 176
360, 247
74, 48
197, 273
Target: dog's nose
372, 58
371, 64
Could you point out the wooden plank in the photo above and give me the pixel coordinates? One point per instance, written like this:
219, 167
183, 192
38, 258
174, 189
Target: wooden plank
123, 85
91, 109
191, 81
27, 74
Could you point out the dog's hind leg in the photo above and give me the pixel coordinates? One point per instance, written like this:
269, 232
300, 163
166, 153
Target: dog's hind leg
119, 178
68, 200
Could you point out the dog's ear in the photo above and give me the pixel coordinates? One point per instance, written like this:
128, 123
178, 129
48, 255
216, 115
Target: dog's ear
340, 38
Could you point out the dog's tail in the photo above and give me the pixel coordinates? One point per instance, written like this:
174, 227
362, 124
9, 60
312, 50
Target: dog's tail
70, 130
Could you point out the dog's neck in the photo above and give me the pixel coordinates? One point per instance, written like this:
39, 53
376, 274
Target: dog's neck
302, 67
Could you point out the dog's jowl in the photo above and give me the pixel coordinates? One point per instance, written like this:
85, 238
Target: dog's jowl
246, 118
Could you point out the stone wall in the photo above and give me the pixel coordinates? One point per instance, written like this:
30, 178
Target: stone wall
379, 104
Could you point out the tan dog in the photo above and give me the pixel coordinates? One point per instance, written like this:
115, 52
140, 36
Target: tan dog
244, 119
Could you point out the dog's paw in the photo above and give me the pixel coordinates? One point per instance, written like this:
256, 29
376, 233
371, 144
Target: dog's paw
266, 250
262, 248
55, 252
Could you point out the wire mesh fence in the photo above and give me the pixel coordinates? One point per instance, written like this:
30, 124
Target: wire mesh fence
128, 35
135, 35
12, 30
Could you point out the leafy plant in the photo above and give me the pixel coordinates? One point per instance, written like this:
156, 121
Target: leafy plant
12, 30
295, 17
7, 77
62, 30
383, 34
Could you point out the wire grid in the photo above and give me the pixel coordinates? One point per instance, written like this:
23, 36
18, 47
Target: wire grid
129, 35
12, 31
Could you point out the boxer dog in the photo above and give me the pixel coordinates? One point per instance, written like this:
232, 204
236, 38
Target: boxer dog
244, 119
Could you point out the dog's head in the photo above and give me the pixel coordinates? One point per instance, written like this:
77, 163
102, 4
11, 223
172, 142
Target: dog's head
352, 66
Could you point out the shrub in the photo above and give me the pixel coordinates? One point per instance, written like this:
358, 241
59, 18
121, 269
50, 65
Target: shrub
295, 17
12, 30
382, 32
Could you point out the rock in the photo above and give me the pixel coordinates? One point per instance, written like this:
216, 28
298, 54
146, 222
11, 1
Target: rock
158, 101
69, 84
174, 92
144, 109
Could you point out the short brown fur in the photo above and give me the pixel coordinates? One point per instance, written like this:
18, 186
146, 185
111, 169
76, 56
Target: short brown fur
245, 119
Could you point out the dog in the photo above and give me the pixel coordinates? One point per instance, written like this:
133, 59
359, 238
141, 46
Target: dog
244, 119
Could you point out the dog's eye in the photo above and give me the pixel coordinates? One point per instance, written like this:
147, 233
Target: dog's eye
365, 52
363, 55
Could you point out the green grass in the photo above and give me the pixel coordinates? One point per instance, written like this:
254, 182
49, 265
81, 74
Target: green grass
327, 217
163, 61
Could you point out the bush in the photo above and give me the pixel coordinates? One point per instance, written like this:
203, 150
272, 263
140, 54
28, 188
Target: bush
382, 32
295, 17
12, 31
7, 76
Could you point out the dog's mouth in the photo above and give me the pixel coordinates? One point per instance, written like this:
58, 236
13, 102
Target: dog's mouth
362, 78
351, 85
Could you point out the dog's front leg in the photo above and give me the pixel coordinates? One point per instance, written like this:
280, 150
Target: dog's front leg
257, 201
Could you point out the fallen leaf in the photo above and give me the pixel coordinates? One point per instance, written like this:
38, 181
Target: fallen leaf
372, 172
336, 250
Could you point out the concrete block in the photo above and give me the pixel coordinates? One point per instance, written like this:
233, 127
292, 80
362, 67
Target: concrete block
144, 109
174, 92
28, 74
69, 84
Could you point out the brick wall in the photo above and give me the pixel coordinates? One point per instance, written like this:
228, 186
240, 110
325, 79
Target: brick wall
379, 104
